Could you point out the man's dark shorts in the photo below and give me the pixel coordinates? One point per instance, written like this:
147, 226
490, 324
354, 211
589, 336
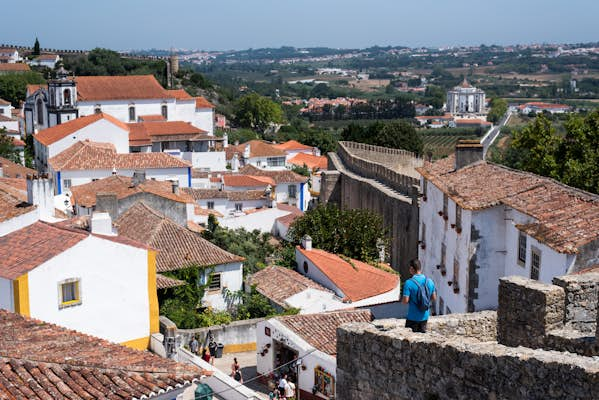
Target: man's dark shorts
416, 326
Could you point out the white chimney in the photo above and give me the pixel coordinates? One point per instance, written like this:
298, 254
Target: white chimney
235, 163
41, 194
307, 242
225, 140
246, 151
101, 224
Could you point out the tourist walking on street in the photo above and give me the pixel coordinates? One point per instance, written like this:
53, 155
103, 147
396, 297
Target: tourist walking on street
194, 345
282, 386
418, 292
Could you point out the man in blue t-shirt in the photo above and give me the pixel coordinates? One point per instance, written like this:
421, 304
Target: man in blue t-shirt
417, 319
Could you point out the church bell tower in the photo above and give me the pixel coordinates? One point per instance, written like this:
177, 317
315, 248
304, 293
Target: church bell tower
62, 98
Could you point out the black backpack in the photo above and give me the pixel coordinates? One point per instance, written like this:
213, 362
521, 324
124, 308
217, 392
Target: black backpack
423, 296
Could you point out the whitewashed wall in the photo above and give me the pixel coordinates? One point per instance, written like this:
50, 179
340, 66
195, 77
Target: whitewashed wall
204, 119
120, 108
207, 160
231, 277
262, 220
113, 287
19, 222
6, 295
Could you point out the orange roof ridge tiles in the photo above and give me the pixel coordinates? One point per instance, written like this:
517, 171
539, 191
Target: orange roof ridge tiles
141, 132
86, 155
180, 94
258, 148
320, 330
79, 365
566, 217
13, 201
166, 282
85, 195
358, 281
151, 118
202, 102
233, 195
124, 87
293, 145
178, 247
14, 67
279, 283
247, 181
57, 132
309, 160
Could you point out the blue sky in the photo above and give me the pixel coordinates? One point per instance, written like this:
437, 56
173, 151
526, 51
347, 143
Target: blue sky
240, 24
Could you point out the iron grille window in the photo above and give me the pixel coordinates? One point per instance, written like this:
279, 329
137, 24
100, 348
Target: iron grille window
522, 249
535, 264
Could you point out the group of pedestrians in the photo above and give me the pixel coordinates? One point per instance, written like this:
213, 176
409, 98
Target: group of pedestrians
285, 389
207, 353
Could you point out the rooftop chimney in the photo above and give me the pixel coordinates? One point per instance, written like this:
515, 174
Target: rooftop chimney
246, 151
107, 203
101, 224
40, 193
307, 242
175, 186
235, 163
139, 176
467, 152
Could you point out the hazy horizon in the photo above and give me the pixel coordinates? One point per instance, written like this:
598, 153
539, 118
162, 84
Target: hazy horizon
243, 24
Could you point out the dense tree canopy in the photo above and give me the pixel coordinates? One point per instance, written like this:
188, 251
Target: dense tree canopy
572, 158
13, 86
498, 109
353, 233
396, 134
257, 112
7, 147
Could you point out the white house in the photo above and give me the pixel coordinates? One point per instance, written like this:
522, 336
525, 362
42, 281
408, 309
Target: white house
286, 288
181, 139
86, 161
179, 247
305, 348
480, 221
91, 281
45, 60
293, 147
257, 153
466, 99
9, 55
290, 187
124, 97
539, 107
100, 127
353, 281
7, 120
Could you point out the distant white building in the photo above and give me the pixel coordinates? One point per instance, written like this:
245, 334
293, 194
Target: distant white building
257, 153
126, 98
9, 55
466, 99
481, 221
45, 60
539, 107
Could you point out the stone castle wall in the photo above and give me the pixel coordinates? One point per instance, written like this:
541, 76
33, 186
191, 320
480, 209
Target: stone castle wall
358, 183
525, 350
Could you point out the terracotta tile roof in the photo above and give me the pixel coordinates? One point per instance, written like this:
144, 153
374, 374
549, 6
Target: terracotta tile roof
178, 247
17, 67
279, 176
204, 211
232, 195
19, 185
258, 148
31, 88
293, 145
39, 361
13, 170
247, 181
288, 219
142, 132
57, 132
23, 250
180, 94
201, 102
4, 102
320, 330
358, 281
165, 282
127, 87
50, 57
13, 201
85, 195
151, 118
85, 155
309, 160
565, 218
547, 106
279, 284
471, 121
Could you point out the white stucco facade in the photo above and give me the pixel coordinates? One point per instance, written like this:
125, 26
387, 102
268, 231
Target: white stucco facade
113, 285
18, 222
231, 277
262, 220
485, 250
310, 357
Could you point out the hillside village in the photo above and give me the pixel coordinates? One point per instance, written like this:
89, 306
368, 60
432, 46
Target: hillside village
144, 252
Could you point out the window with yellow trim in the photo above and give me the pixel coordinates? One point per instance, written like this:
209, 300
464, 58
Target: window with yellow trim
69, 293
